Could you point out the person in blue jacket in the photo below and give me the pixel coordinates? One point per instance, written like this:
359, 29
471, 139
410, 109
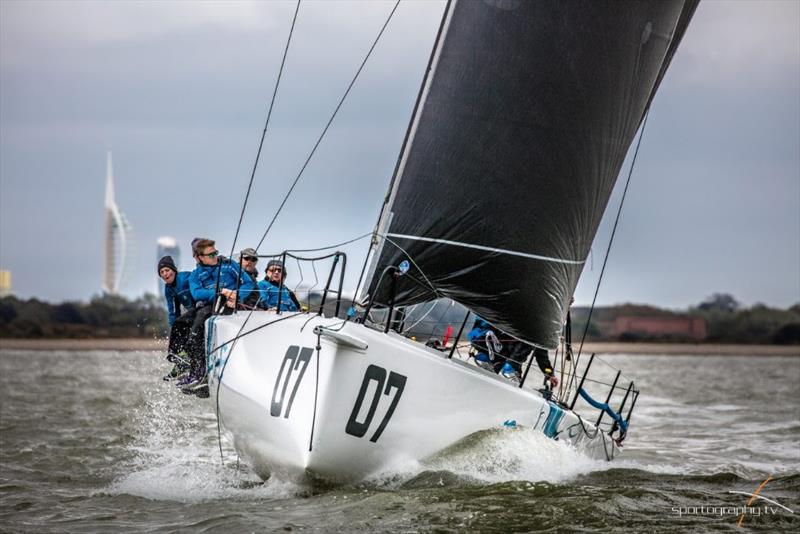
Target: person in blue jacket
180, 309
176, 288
219, 284
273, 285
500, 353
213, 273
248, 259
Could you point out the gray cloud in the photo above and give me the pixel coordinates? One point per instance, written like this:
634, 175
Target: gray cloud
179, 91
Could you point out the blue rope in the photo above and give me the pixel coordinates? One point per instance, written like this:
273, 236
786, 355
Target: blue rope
606, 408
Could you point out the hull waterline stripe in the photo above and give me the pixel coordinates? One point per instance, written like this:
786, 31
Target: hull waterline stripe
488, 249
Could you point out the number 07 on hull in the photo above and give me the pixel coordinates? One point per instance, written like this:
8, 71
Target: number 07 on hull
303, 395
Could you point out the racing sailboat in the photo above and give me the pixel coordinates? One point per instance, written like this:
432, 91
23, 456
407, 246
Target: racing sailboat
520, 129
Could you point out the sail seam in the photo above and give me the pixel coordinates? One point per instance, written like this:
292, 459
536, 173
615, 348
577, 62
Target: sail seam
488, 249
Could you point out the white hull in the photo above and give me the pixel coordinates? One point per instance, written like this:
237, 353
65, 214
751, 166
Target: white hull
293, 410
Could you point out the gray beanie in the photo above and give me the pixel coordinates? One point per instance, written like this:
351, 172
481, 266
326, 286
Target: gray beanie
166, 261
276, 263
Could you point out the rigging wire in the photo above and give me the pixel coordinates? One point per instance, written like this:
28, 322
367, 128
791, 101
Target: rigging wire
435, 291
608, 248
337, 245
264, 133
363, 271
232, 343
244, 207
216, 407
325, 130
414, 263
433, 305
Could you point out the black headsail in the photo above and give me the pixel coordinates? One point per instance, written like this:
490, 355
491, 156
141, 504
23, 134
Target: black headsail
519, 134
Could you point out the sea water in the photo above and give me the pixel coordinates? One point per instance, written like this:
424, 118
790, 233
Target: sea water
97, 442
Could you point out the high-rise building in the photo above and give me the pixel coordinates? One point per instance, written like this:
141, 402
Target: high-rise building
119, 246
167, 246
5, 283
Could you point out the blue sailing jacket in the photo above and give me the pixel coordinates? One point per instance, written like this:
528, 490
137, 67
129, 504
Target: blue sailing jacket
203, 281
508, 349
477, 336
269, 296
178, 295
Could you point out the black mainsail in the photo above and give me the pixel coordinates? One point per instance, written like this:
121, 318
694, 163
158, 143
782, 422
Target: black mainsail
519, 134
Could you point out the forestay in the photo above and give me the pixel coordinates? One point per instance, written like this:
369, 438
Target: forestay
520, 131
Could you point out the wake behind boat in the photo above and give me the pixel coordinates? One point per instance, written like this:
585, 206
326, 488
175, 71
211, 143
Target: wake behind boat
518, 135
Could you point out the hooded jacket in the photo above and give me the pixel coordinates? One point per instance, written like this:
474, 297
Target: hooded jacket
203, 281
178, 294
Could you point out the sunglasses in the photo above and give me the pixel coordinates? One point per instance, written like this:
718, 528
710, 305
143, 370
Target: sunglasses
274, 270
211, 255
250, 258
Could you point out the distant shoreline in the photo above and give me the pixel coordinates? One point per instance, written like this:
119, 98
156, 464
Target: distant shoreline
138, 344
83, 344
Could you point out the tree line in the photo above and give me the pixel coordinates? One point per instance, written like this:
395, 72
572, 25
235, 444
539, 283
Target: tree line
110, 316
726, 321
106, 316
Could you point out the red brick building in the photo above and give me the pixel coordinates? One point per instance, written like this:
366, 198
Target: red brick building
689, 327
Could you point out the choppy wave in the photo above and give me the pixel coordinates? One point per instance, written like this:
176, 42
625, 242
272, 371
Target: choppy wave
84, 450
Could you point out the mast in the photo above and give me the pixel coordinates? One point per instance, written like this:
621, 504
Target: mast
384, 217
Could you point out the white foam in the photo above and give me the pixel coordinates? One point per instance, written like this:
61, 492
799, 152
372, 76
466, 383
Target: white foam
193, 481
504, 455
175, 456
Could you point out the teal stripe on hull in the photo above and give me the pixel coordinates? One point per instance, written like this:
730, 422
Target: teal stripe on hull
553, 419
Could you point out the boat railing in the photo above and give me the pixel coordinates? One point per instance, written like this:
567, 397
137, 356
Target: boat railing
603, 396
313, 271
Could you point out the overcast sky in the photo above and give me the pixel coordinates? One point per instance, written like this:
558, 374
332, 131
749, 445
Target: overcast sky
179, 92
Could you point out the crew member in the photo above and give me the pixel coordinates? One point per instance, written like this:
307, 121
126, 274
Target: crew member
180, 310
274, 284
500, 353
213, 273
248, 258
